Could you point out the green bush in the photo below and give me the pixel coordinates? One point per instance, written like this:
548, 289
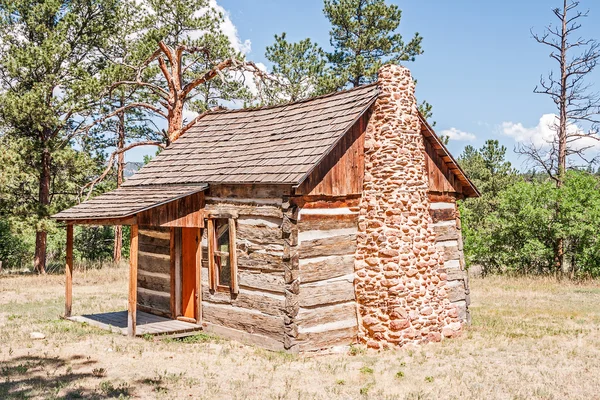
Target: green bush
13, 248
519, 232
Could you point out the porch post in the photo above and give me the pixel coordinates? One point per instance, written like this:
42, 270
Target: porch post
69, 272
133, 270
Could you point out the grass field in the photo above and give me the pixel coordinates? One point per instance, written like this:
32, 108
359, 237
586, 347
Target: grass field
530, 339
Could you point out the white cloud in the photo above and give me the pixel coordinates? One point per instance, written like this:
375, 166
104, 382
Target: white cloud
456, 134
189, 115
544, 132
230, 30
227, 26
539, 135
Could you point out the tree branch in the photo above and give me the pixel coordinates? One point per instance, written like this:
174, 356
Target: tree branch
110, 163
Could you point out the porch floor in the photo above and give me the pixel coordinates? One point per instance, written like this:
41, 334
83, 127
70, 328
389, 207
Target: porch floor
147, 324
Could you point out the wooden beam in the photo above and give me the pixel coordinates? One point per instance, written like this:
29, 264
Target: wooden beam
105, 221
133, 269
172, 274
233, 257
178, 271
198, 283
69, 272
212, 278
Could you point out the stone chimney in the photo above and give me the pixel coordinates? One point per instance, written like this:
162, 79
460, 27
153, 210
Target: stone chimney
400, 280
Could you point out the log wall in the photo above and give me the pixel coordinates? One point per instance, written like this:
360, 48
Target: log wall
256, 314
154, 266
326, 314
447, 227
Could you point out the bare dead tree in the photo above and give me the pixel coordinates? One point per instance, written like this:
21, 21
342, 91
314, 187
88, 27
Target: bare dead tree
578, 106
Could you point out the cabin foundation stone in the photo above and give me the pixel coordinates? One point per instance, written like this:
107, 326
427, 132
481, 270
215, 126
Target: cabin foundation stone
400, 280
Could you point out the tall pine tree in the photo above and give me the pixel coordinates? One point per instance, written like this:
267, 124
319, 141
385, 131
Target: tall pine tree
50, 57
364, 37
298, 68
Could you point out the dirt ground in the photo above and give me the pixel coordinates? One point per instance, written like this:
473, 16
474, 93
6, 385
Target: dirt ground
530, 339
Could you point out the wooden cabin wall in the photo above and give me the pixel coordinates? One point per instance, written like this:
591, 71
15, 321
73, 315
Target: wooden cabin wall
327, 237
447, 227
341, 172
256, 314
154, 271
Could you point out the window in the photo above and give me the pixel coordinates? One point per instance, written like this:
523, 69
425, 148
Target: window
221, 255
222, 262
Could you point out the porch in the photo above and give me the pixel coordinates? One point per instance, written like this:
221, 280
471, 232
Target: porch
146, 324
165, 256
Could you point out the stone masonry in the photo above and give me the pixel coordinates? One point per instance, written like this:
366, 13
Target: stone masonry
400, 282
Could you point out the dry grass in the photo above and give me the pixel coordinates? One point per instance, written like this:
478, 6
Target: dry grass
530, 339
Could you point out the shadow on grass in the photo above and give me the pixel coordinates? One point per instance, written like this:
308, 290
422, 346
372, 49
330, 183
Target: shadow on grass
48, 377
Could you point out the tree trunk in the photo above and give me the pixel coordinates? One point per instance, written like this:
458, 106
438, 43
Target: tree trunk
120, 170
176, 100
559, 256
41, 236
175, 122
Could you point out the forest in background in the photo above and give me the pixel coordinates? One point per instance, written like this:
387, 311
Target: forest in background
83, 82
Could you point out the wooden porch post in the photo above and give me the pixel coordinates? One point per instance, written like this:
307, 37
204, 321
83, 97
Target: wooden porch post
133, 270
173, 272
69, 272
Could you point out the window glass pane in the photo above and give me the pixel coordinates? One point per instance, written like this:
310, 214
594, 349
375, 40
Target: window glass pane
222, 252
225, 272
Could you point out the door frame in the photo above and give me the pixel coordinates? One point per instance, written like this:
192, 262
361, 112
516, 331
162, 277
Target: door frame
177, 274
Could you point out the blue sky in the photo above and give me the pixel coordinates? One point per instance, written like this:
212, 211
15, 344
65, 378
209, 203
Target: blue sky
479, 67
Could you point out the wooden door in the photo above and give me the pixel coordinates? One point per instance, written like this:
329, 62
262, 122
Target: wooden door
190, 273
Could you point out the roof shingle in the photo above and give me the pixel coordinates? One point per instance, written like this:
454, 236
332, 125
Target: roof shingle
277, 145
127, 201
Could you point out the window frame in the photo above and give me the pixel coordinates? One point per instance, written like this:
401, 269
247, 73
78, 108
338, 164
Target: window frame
213, 268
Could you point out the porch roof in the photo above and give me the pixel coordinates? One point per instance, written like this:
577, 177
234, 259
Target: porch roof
127, 201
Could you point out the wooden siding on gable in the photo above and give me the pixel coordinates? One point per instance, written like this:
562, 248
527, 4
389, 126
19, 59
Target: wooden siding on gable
441, 179
186, 212
445, 174
341, 172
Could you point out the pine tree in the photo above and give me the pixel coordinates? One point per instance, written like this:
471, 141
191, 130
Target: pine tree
298, 68
50, 58
364, 37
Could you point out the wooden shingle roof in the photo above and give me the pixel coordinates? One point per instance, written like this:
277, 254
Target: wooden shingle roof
275, 145
127, 201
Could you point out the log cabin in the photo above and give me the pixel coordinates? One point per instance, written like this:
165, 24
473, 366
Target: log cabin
296, 227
